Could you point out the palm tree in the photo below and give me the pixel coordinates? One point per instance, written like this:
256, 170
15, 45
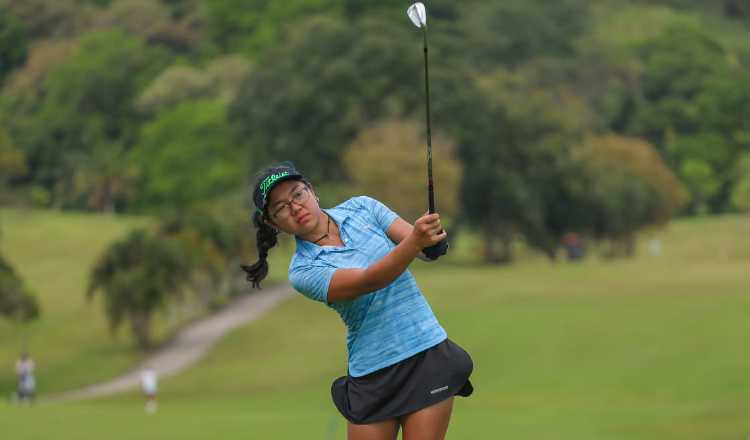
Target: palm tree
137, 276
215, 250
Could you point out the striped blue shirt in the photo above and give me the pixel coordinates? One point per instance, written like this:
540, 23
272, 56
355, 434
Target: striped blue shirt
385, 326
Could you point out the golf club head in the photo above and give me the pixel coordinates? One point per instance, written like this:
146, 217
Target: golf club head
417, 14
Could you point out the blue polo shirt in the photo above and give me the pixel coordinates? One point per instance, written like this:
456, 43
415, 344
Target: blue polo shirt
385, 326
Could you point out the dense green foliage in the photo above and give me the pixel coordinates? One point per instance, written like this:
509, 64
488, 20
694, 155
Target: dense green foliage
741, 191
251, 26
83, 117
628, 189
515, 31
137, 275
191, 252
187, 154
15, 300
693, 107
214, 248
13, 43
317, 91
401, 185
155, 106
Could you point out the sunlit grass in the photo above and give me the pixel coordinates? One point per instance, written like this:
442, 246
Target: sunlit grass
648, 348
53, 252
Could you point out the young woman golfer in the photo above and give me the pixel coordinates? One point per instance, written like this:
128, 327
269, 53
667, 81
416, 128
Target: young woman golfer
403, 371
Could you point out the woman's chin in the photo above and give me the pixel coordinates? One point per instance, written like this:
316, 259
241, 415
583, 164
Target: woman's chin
305, 220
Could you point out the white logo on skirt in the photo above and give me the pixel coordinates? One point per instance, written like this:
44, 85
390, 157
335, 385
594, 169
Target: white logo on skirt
437, 390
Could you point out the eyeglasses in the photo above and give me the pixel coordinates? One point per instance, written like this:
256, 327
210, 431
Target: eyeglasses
299, 196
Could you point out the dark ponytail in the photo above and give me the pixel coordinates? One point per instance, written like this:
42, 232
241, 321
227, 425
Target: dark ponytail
265, 240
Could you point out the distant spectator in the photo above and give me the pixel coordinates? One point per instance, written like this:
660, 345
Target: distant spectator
654, 247
149, 385
26, 382
573, 245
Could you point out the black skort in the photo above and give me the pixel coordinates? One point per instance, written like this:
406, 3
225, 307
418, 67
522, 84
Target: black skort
422, 380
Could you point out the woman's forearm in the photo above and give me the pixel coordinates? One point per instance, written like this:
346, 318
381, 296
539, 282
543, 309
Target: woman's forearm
387, 269
348, 284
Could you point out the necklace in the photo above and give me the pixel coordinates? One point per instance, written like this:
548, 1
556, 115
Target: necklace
328, 230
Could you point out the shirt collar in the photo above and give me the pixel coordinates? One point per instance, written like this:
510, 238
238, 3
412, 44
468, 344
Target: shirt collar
312, 250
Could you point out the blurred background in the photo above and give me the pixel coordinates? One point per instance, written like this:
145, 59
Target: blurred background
592, 165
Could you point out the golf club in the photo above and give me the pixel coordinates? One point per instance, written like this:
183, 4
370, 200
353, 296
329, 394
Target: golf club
418, 15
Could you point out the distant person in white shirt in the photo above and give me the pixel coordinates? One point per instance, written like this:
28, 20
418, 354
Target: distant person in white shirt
149, 383
26, 382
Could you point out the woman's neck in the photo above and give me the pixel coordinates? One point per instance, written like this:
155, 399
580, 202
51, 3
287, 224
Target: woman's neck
327, 234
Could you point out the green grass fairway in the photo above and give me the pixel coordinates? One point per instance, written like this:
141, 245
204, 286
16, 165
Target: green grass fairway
54, 252
651, 348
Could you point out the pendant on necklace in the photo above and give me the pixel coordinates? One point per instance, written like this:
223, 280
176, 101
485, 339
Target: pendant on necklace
328, 230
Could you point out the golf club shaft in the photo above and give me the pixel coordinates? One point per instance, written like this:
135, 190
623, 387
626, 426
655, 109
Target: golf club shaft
430, 187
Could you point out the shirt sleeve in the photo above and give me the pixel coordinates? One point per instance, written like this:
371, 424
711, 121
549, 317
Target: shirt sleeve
312, 281
382, 214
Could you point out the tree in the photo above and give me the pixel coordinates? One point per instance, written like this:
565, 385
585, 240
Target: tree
736, 9
676, 67
309, 98
741, 191
391, 9
15, 300
51, 19
693, 110
144, 18
723, 136
251, 26
12, 161
43, 57
514, 145
173, 86
402, 184
86, 103
221, 79
511, 32
628, 188
214, 247
104, 179
13, 43
182, 8
137, 276
185, 155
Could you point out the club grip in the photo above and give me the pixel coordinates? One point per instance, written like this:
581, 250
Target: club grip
436, 250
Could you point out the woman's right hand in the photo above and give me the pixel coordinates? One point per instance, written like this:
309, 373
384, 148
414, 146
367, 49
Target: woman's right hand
347, 284
427, 231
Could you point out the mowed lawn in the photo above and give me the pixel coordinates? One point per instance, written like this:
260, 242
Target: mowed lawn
53, 252
651, 348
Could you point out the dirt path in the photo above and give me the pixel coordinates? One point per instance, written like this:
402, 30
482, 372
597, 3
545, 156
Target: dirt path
189, 346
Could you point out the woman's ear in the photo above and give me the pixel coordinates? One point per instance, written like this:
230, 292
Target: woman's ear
270, 224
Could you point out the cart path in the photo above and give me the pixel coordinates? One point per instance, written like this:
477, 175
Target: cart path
189, 346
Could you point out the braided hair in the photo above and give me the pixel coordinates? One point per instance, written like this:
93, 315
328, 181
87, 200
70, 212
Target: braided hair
267, 235
266, 238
